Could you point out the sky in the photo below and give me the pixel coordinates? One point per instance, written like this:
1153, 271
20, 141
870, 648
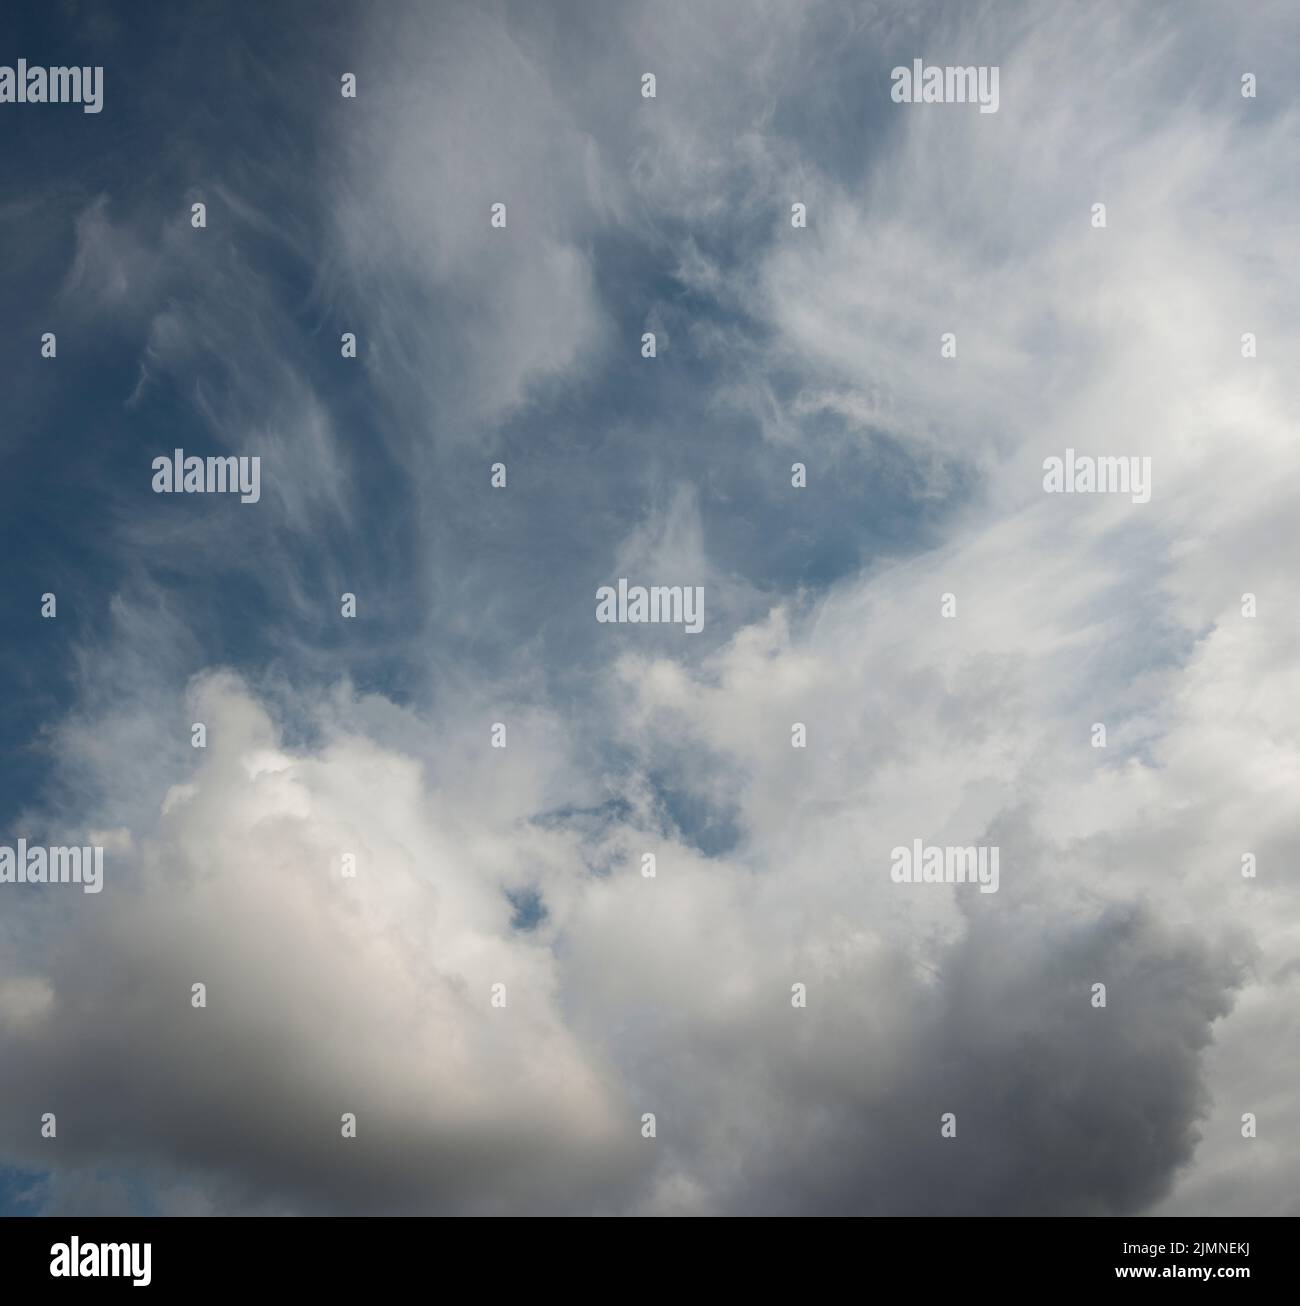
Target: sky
770, 1023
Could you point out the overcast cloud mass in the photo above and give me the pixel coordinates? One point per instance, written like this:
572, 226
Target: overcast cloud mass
522, 866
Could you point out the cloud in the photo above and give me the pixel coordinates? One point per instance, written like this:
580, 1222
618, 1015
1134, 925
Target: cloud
668, 995
671, 995
325, 995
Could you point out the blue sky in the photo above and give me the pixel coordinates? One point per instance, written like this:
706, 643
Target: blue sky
776, 344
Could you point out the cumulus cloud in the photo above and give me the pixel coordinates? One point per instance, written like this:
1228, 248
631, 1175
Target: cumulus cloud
328, 994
